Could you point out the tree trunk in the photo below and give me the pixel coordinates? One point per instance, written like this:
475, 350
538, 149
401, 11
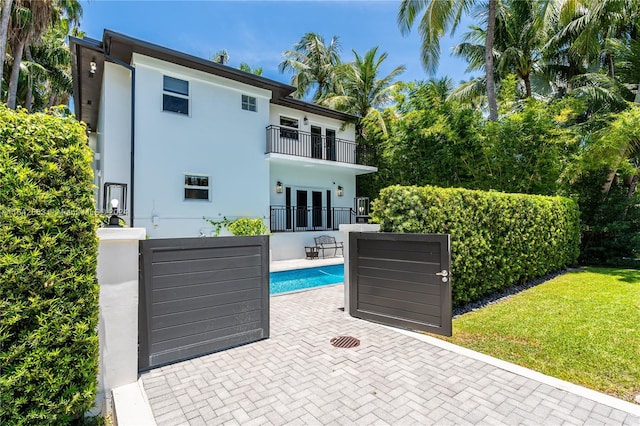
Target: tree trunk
4, 28
527, 85
609, 182
488, 59
15, 74
29, 96
610, 65
633, 185
52, 99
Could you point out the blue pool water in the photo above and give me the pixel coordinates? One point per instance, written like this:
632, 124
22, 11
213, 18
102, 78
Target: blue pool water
300, 279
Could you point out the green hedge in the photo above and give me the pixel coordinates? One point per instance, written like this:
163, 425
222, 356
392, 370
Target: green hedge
497, 239
48, 285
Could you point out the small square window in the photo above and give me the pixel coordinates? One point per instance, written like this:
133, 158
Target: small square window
249, 103
196, 187
176, 95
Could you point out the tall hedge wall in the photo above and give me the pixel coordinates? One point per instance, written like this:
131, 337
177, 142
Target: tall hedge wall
48, 285
497, 239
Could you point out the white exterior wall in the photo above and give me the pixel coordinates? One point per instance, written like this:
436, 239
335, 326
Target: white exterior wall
348, 133
290, 245
307, 174
218, 139
114, 130
312, 174
312, 178
117, 328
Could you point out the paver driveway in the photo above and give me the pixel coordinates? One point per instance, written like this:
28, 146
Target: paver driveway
297, 377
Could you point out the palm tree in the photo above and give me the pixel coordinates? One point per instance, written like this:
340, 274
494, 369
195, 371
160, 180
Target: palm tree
443, 16
30, 20
590, 38
50, 73
4, 27
586, 25
364, 93
518, 42
313, 64
247, 68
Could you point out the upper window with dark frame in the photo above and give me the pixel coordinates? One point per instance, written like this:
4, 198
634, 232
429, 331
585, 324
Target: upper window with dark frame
291, 130
249, 103
175, 96
196, 187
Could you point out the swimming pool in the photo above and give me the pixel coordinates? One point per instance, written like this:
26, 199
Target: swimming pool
300, 279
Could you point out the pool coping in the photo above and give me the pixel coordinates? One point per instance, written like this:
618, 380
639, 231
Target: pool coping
284, 293
292, 264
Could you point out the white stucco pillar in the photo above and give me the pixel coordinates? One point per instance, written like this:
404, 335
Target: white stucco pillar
118, 324
346, 229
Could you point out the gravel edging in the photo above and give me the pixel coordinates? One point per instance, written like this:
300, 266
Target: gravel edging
506, 293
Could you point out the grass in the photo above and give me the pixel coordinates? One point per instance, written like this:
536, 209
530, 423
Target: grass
582, 327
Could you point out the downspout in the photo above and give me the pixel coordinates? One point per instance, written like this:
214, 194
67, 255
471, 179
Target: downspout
133, 124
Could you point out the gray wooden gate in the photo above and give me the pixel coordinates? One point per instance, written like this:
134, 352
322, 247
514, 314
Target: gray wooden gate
201, 295
401, 280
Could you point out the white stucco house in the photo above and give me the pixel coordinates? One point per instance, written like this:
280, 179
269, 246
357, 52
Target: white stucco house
178, 138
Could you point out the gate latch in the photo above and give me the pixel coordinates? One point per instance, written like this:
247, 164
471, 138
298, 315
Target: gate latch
444, 274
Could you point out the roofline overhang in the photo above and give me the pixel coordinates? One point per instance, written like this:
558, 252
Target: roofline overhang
129, 45
121, 47
311, 108
75, 45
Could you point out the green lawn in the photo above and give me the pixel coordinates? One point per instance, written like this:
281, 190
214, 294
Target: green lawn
583, 327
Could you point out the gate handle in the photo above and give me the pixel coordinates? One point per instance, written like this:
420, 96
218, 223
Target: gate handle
444, 273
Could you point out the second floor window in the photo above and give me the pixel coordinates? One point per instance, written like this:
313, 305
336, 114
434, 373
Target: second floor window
175, 95
288, 128
249, 103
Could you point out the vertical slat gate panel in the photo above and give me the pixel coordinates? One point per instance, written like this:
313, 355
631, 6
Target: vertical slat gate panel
201, 295
401, 280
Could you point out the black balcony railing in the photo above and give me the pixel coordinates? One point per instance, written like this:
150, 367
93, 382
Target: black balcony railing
283, 140
302, 219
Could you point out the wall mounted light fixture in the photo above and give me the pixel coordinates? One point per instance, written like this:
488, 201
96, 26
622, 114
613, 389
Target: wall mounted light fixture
340, 191
93, 67
305, 120
279, 187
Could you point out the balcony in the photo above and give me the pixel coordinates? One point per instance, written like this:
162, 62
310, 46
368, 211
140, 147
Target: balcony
283, 140
303, 218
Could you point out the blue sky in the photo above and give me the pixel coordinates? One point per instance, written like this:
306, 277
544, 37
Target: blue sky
257, 32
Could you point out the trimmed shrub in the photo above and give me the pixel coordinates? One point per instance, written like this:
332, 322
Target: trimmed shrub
497, 240
48, 285
248, 226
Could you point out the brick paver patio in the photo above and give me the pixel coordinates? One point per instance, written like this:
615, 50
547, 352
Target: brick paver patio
297, 377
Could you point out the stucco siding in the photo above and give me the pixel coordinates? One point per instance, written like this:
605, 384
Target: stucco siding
114, 128
312, 179
217, 139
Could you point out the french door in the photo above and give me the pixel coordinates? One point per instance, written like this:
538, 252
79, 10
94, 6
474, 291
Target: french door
316, 142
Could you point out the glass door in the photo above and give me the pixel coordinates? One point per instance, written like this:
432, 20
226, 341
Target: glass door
331, 145
316, 142
329, 211
316, 209
289, 212
301, 209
